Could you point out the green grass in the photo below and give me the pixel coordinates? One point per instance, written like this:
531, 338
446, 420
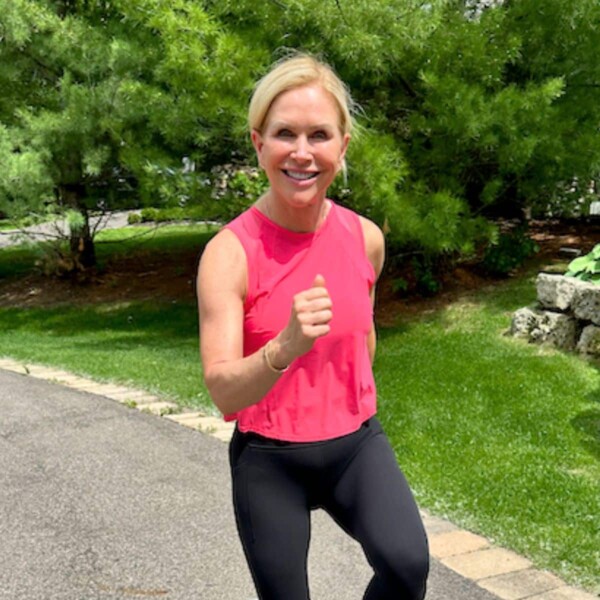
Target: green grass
17, 260
500, 436
151, 238
150, 345
113, 243
24, 221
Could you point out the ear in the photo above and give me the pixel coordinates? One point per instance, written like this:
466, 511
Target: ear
257, 142
345, 142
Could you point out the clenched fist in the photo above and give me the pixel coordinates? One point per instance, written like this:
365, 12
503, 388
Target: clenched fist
309, 320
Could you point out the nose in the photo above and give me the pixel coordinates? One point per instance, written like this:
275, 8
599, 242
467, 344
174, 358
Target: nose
301, 149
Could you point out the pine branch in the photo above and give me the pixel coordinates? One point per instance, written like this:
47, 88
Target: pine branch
339, 6
583, 85
409, 89
54, 72
280, 4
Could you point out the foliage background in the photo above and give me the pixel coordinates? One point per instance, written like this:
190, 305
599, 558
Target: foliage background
468, 111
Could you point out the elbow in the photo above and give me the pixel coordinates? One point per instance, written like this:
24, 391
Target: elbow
214, 384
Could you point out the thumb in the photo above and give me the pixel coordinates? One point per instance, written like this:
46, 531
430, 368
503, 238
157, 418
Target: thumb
319, 281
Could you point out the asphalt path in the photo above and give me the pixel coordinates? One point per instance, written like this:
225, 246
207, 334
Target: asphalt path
53, 230
100, 501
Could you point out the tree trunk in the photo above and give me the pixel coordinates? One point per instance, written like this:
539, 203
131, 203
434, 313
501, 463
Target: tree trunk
81, 241
82, 247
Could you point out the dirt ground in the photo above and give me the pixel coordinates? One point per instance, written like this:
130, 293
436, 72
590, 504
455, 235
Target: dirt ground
554, 239
172, 277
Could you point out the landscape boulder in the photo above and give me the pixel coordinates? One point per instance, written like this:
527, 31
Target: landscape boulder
567, 315
556, 291
524, 321
589, 342
556, 328
586, 303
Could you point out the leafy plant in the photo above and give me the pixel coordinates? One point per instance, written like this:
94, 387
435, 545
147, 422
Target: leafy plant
586, 268
234, 188
134, 219
399, 285
424, 269
467, 111
510, 252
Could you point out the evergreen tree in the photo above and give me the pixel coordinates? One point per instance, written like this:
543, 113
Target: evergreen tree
469, 109
104, 95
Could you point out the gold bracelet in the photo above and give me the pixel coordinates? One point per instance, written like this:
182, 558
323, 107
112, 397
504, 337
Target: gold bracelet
268, 362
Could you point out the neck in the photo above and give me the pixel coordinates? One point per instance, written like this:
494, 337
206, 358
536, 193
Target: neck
305, 219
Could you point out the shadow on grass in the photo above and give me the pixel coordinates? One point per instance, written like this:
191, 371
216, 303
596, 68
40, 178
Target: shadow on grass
500, 298
588, 424
17, 260
135, 322
111, 245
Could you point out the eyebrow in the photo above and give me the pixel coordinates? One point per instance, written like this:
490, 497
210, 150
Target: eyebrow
283, 124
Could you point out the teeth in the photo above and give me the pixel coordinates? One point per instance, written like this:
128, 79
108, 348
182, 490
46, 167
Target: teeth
300, 175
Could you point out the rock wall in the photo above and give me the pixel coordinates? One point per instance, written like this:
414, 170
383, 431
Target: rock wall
567, 315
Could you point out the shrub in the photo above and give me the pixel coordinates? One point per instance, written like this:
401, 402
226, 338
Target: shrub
234, 188
148, 214
426, 272
509, 252
134, 219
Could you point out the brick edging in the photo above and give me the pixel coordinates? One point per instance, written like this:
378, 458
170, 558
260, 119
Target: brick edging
503, 573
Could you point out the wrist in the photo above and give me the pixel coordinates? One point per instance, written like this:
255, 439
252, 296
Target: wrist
273, 359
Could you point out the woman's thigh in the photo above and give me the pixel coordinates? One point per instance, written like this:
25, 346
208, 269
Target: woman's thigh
273, 521
374, 504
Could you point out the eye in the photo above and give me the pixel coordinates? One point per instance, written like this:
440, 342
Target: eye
284, 133
320, 134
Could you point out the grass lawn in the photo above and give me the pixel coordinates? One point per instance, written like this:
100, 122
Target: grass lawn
112, 243
497, 435
500, 436
151, 238
149, 344
152, 346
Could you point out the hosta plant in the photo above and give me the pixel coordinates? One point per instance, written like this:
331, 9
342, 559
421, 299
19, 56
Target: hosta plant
586, 268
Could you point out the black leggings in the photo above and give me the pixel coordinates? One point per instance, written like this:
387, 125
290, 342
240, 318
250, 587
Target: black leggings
356, 479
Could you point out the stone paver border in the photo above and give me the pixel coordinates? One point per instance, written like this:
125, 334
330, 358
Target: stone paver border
505, 574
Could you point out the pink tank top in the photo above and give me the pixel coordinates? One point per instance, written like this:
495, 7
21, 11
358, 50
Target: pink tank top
329, 391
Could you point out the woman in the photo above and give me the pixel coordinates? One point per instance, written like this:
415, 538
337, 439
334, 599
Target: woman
286, 294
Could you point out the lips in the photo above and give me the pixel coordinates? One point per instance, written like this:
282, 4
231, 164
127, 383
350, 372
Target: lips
300, 175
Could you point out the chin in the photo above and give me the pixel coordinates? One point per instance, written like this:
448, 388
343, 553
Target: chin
303, 200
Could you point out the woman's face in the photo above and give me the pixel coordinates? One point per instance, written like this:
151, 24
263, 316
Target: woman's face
301, 147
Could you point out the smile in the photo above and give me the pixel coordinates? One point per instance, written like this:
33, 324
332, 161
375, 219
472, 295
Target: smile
300, 175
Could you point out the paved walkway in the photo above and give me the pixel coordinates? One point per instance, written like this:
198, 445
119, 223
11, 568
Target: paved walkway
53, 230
98, 501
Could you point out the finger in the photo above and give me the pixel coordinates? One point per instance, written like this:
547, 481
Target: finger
312, 295
319, 281
316, 331
317, 288
315, 305
315, 318
313, 299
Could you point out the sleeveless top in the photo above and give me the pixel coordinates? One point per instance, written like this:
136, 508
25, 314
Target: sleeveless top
329, 391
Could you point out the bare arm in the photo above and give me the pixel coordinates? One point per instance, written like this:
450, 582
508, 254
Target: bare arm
375, 247
234, 381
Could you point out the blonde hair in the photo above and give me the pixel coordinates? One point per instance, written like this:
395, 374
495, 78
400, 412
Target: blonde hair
296, 71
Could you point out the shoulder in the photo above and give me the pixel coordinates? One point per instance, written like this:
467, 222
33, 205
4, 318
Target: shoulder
231, 241
374, 243
223, 263
224, 245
